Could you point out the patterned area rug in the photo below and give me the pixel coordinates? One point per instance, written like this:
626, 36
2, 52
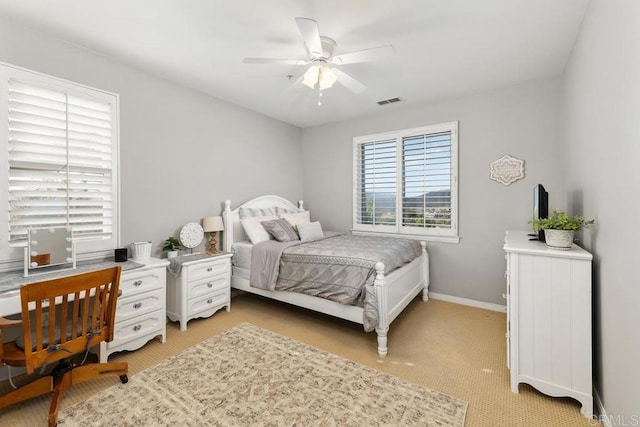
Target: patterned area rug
251, 376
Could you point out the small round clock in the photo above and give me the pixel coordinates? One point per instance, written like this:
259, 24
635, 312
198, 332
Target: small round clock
191, 235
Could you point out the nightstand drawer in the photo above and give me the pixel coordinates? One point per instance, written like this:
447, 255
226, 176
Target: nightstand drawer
137, 327
137, 305
208, 269
143, 281
196, 305
208, 286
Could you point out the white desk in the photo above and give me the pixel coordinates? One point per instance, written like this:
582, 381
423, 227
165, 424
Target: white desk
141, 307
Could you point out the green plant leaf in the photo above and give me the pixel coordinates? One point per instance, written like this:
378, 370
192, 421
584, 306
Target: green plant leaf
559, 220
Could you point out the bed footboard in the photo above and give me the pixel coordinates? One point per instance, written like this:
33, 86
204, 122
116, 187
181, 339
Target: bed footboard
397, 290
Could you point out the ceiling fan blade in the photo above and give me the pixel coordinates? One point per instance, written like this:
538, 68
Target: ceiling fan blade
373, 54
349, 82
310, 35
275, 61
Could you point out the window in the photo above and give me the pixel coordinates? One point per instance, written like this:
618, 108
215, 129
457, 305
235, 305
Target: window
405, 182
61, 154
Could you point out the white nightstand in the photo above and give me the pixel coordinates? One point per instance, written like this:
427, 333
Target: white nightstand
202, 288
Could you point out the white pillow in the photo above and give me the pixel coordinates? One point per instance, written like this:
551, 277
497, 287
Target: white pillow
297, 218
310, 231
254, 230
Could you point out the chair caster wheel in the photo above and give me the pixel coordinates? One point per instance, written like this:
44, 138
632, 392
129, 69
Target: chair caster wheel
124, 378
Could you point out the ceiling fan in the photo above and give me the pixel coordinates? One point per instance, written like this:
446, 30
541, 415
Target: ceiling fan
322, 63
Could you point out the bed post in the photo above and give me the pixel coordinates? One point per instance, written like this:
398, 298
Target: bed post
381, 296
301, 204
228, 226
425, 271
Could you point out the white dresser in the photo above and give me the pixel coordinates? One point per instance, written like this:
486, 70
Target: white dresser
140, 312
549, 318
202, 288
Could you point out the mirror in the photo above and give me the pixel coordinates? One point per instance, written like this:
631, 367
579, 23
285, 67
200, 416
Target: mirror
49, 247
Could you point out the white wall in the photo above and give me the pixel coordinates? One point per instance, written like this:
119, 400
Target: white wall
181, 151
602, 109
523, 121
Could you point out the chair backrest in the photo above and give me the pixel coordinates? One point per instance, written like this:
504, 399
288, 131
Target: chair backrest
66, 312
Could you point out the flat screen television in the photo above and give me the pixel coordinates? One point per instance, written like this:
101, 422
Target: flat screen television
540, 207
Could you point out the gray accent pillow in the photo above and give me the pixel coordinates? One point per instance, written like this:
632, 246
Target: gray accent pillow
280, 229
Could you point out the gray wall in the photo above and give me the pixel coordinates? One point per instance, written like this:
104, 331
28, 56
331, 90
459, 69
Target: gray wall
602, 110
182, 152
522, 121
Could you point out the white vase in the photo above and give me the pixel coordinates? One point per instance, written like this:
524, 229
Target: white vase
559, 239
172, 254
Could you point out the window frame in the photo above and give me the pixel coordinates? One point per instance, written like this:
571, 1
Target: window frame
450, 235
12, 253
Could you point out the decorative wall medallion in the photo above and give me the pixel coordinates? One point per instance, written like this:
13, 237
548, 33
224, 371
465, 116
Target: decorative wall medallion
507, 170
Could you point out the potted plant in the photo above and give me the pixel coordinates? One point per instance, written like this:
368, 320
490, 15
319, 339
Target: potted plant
560, 228
171, 245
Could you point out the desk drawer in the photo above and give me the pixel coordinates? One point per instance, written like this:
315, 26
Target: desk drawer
208, 269
137, 327
216, 299
142, 281
137, 305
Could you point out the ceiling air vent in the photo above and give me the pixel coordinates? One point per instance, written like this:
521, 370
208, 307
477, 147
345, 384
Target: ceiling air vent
389, 101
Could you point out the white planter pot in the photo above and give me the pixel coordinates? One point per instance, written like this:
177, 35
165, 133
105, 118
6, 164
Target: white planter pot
559, 239
172, 254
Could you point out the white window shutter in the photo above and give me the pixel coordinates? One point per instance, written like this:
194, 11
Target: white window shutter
60, 161
375, 183
405, 182
427, 180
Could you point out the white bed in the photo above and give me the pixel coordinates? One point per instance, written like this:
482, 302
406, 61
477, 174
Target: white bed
393, 292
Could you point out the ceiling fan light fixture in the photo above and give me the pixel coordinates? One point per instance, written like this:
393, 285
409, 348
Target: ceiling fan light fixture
311, 76
327, 78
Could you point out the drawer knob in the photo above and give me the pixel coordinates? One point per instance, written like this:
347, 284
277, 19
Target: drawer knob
209, 285
209, 301
137, 305
137, 328
210, 269
137, 283
504, 296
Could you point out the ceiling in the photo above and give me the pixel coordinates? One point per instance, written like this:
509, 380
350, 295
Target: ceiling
444, 48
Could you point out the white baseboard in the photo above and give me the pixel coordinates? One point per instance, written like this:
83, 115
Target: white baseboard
601, 413
469, 302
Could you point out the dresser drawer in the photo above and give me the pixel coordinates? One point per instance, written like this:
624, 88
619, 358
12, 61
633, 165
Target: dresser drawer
217, 299
137, 305
138, 327
208, 286
142, 281
208, 269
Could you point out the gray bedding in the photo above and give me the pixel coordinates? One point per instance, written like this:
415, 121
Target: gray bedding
337, 267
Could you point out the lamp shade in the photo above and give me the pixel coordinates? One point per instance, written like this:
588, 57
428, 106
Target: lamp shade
212, 223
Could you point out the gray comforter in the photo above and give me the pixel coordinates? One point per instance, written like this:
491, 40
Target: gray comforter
338, 267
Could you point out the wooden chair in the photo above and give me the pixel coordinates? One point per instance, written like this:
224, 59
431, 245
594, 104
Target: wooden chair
60, 318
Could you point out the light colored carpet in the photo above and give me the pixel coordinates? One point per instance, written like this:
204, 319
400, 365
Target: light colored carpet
447, 347
251, 376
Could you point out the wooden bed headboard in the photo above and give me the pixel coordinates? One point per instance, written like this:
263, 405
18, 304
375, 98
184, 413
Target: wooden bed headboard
233, 231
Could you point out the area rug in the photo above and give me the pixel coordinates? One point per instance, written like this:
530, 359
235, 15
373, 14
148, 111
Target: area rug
249, 376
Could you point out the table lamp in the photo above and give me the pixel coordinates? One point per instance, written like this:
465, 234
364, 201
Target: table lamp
212, 224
